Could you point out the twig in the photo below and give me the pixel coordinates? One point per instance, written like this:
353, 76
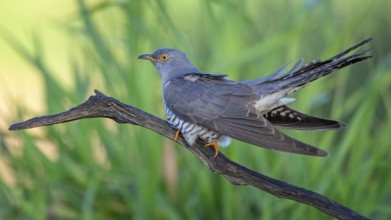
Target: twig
103, 106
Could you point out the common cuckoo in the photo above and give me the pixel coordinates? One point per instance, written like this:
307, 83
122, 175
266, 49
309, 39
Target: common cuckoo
215, 109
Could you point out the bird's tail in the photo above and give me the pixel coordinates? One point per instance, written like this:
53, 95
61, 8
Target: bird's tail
298, 76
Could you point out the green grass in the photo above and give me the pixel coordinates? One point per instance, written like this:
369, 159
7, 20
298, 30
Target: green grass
143, 176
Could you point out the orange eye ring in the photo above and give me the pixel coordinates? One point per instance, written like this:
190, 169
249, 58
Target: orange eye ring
164, 57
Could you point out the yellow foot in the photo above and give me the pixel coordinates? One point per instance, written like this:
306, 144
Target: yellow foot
215, 147
177, 134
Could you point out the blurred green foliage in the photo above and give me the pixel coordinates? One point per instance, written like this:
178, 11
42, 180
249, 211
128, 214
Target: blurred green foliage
103, 170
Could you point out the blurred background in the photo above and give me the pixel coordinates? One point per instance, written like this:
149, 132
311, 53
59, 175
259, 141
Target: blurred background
54, 53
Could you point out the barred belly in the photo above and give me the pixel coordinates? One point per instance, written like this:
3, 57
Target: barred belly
192, 131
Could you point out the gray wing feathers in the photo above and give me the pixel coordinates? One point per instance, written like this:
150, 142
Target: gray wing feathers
228, 109
267, 137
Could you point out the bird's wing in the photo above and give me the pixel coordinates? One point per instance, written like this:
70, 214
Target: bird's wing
228, 108
285, 117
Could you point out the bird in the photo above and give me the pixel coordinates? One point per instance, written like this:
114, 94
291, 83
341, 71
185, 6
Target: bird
210, 107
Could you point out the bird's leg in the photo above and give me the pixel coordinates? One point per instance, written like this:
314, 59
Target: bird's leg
177, 134
215, 147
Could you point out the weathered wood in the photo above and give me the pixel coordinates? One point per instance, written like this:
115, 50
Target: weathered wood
102, 106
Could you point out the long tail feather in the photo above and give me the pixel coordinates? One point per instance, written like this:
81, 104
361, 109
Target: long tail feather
285, 117
297, 78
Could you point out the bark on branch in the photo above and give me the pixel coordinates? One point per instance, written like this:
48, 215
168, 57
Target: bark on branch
102, 106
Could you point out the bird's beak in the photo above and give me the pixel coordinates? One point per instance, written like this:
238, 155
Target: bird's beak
147, 57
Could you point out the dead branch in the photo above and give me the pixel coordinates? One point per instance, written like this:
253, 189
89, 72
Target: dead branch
102, 106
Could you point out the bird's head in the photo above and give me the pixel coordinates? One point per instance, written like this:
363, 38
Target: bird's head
170, 62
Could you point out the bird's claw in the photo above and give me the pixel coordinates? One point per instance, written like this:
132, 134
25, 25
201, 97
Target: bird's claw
177, 134
215, 147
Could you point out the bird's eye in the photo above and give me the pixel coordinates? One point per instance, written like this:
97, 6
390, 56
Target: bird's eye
164, 57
